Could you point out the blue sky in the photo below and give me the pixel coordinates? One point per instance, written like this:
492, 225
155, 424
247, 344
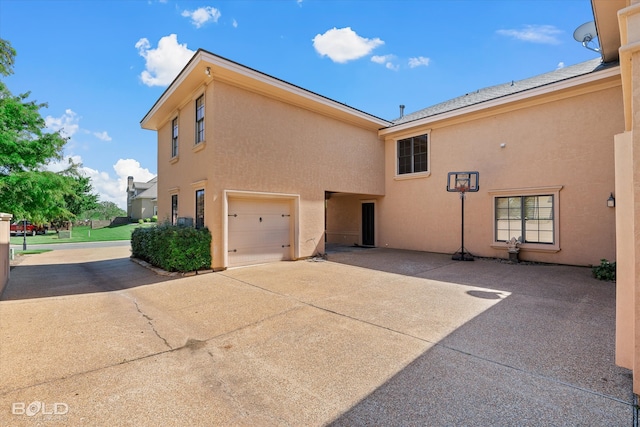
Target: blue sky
100, 65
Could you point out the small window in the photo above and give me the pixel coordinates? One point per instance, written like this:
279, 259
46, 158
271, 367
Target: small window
174, 137
200, 119
174, 209
413, 155
529, 219
200, 209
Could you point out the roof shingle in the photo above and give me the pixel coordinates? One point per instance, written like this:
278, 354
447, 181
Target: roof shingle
505, 89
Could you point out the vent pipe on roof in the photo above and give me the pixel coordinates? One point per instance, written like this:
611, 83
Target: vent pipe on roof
401, 110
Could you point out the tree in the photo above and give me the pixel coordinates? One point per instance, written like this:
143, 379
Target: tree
26, 190
80, 198
104, 210
7, 56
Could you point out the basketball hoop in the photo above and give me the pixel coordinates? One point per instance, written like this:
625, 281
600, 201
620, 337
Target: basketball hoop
462, 189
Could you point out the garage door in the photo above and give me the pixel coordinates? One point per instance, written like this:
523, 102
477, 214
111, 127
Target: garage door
259, 231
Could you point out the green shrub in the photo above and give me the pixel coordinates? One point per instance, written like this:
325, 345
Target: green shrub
605, 271
154, 218
147, 220
173, 248
141, 221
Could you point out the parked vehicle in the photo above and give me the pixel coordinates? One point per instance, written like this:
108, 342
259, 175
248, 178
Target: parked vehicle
18, 227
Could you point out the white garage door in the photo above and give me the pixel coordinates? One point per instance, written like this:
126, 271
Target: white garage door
259, 231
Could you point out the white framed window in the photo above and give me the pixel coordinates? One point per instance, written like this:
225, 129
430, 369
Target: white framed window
174, 138
529, 215
413, 155
200, 119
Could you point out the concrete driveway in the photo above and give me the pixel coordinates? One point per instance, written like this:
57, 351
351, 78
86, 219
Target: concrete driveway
370, 337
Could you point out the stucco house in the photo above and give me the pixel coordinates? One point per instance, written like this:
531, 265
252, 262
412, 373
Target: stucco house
276, 172
142, 198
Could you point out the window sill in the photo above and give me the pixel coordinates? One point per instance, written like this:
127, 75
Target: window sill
174, 159
199, 146
529, 247
412, 176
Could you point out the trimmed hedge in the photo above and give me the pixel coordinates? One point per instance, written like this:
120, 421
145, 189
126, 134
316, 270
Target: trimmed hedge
173, 248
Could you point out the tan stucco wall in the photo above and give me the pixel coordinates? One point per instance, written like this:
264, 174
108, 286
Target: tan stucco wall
625, 250
565, 142
628, 199
5, 221
255, 143
344, 218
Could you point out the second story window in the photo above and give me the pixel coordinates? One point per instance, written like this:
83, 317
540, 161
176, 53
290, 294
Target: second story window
200, 119
174, 137
413, 155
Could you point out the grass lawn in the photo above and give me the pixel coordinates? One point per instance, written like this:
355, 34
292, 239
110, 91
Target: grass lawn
83, 234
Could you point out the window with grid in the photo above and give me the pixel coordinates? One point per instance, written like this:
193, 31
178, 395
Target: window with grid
174, 137
529, 219
200, 119
200, 209
174, 209
412, 155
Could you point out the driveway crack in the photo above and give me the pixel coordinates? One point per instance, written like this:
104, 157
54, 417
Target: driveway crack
150, 322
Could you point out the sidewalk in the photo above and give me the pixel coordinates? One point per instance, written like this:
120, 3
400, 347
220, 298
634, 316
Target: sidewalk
429, 341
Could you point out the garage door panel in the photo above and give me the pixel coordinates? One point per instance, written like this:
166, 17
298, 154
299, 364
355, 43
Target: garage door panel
259, 230
258, 222
265, 239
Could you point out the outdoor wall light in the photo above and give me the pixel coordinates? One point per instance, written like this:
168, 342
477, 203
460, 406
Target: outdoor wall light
611, 201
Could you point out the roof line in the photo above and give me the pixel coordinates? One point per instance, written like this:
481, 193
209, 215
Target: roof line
256, 74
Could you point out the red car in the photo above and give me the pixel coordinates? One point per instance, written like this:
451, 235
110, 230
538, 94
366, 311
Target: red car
17, 228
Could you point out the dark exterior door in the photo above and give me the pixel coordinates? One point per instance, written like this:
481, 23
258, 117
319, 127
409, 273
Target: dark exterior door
368, 224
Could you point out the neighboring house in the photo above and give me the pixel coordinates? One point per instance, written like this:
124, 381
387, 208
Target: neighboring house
275, 171
142, 198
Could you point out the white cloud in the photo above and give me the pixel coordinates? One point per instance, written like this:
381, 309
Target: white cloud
343, 45
386, 60
545, 34
67, 124
234, 23
419, 61
109, 189
381, 59
60, 165
103, 136
560, 65
202, 15
163, 63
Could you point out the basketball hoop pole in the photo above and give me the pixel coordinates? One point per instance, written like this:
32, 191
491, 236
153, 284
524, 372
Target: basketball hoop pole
462, 182
460, 255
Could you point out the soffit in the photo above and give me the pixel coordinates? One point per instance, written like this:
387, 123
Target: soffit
605, 13
194, 76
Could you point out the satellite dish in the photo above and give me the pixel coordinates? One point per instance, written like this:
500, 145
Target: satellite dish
585, 34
